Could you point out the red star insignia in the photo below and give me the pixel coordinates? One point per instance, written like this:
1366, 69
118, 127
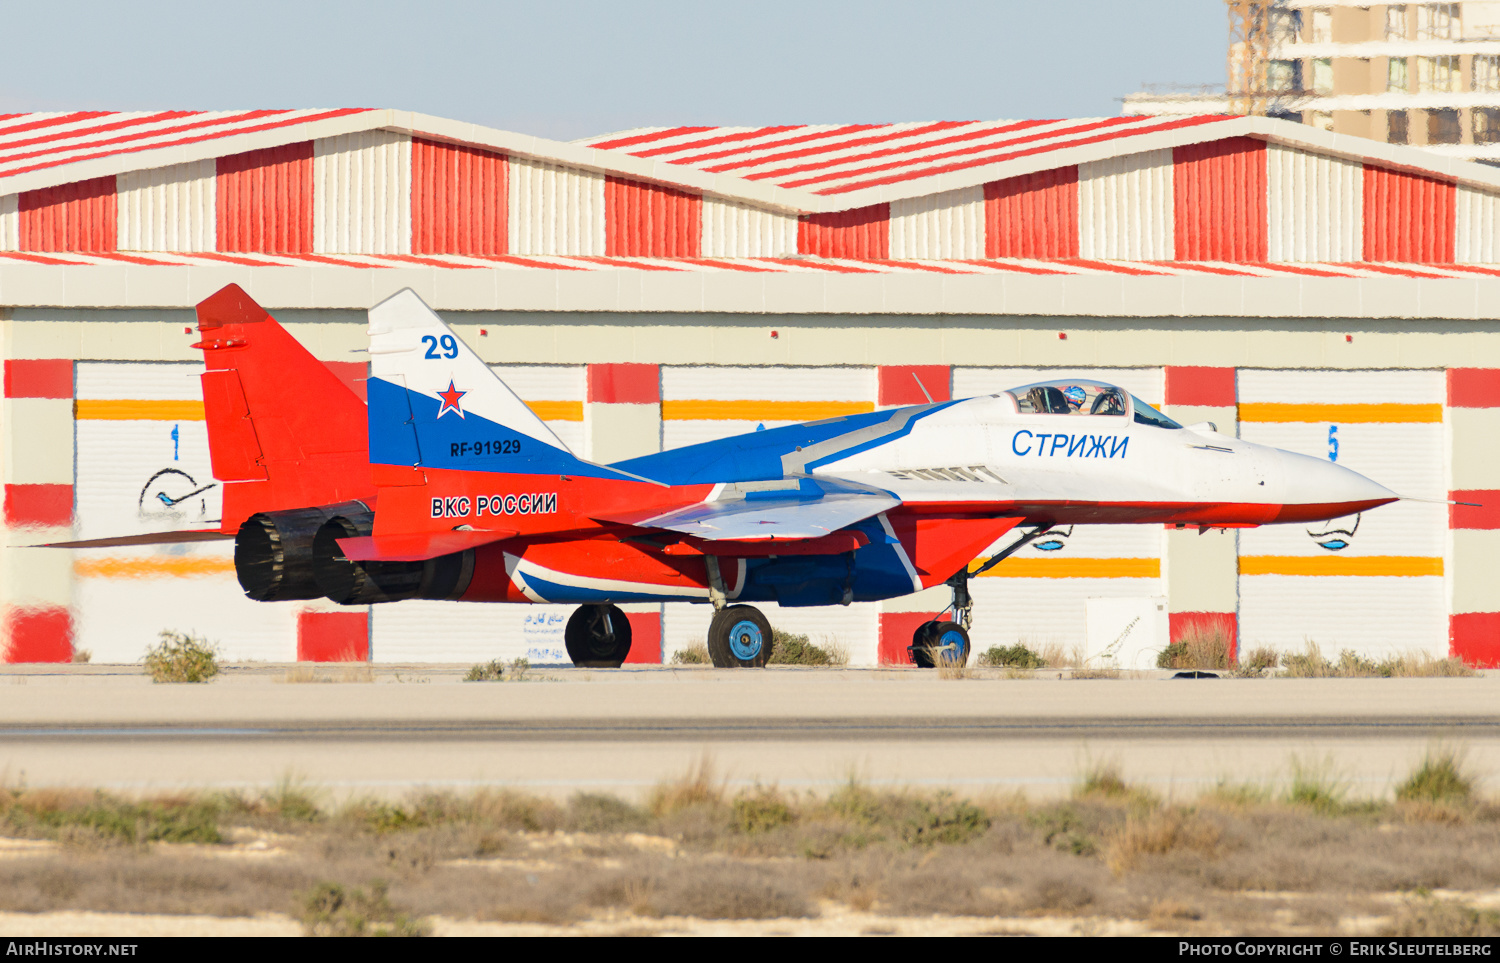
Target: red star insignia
450, 400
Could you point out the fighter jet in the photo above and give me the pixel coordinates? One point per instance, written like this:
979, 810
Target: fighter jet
462, 493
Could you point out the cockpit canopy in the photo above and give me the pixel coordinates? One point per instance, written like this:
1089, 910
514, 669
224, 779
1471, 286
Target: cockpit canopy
1073, 396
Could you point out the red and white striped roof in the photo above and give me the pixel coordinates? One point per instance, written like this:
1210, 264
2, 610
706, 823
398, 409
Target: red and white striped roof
831, 160
35, 142
1041, 267
797, 169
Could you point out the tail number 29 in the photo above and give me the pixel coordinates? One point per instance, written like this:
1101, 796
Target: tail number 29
447, 343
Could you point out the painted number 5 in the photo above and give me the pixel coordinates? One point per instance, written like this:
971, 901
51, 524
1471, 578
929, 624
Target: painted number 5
447, 342
1333, 442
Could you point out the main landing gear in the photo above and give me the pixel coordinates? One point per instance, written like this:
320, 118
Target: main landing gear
597, 636
739, 637
938, 643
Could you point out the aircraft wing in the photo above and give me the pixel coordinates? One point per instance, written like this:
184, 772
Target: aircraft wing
799, 507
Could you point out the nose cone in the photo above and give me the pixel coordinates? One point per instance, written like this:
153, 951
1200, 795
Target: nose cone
1313, 489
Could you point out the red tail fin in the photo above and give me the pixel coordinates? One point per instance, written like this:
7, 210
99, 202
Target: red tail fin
283, 430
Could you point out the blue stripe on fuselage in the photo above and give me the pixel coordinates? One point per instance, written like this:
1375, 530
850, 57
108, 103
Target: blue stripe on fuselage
405, 430
756, 455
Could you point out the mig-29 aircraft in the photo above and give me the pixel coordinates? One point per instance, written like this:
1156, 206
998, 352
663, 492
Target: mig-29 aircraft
447, 486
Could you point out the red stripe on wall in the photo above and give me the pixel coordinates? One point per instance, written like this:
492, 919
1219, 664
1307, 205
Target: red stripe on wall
265, 203
624, 384
458, 199
1219, 200
1474, 387
38, 506
1475, 638
1181, 623
39, 378
645, 638
898, 383
1035, 215
1487, 516
648, 220
333, 636
864, 232
42, 633
70, 217
1408, 217
1208, 387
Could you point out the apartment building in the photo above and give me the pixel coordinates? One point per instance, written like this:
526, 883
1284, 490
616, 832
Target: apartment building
1424, 74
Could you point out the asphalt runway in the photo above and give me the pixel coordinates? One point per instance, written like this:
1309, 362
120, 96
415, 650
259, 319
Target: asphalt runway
567, 730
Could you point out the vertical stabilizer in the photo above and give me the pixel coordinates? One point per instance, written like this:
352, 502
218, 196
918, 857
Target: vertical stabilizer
283, 430
435, 404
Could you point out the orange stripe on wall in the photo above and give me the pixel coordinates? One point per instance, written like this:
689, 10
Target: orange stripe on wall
1073, 568
137, 568
711, 410
1368, 565
88, 409
1389, 414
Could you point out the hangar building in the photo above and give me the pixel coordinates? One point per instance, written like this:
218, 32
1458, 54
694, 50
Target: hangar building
1312, 290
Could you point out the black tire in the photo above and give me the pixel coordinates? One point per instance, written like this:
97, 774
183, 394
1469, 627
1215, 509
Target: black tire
940, 642
739, 637
597, 636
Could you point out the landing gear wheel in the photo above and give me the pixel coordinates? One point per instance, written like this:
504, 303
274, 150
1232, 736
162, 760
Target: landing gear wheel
739, 637
597, 636
940, 643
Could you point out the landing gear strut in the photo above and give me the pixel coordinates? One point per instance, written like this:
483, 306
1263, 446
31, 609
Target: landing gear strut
947, 643
739, 637
597, 636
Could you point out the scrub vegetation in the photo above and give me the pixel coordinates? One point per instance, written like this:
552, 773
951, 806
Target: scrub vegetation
1312, 664
1303, 859
793, 649
182, 657
1017, 656
1198, 647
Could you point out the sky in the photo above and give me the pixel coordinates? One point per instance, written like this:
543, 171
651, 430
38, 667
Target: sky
578, 68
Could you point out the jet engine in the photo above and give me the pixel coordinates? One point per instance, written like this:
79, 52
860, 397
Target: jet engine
273, 551
361, 583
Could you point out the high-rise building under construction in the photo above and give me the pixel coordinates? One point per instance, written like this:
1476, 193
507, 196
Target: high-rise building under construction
1425, 74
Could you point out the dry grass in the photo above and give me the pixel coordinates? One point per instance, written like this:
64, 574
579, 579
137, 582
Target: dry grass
1312, 664
695, 654
1235, 860
357, 672
1198, 647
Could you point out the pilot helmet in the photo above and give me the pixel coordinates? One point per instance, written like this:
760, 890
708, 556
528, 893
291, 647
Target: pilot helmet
1075, 395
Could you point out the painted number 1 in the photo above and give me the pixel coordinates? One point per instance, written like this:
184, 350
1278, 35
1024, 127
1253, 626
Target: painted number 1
447, 342
1333, 442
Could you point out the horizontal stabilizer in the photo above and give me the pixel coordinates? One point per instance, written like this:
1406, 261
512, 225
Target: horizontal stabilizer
415, 547
151, 538
806, 507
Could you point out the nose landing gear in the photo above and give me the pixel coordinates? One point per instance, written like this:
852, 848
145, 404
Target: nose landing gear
947, 643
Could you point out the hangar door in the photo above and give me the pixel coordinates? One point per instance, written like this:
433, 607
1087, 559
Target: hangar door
1372, 582
141, 465
1038, 596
